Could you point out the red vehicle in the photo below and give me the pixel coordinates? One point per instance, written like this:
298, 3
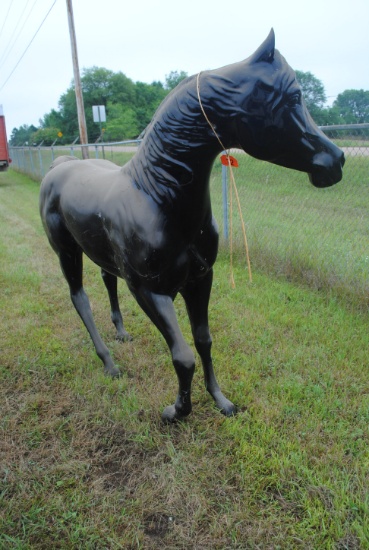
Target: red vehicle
4, 152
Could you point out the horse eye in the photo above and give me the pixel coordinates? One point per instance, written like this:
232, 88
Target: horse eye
294, 99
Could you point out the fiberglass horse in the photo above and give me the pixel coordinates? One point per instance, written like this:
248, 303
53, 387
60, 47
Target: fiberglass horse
151, 222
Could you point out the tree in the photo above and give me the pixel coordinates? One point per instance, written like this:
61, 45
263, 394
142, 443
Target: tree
129, 106
122, 123
352, 106
101, 85
46, 136
68, 113
22, 135
147, 99
122, 89
53, 119
314, 94
174, 78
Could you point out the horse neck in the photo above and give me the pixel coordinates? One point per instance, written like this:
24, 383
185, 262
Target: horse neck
176, 156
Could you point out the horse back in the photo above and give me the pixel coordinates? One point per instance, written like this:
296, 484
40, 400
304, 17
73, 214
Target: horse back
76, 181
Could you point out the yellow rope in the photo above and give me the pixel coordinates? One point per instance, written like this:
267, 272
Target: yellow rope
233, 188
233, 284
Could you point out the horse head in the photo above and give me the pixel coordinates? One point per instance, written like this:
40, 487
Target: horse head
266, 115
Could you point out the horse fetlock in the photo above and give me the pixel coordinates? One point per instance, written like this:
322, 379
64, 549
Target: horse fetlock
112, 371
123, 336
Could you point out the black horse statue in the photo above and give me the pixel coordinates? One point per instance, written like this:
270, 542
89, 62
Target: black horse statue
150, 222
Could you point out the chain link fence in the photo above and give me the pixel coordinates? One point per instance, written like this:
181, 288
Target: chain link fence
318, 237
35, 160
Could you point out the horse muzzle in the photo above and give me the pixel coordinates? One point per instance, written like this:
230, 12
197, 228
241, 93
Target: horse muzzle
327, 169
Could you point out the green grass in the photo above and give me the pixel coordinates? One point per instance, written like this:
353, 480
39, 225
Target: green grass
85, 461
360, 139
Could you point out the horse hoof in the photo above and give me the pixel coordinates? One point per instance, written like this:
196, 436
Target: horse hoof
229, 409
170, 415
125, 337
113, 372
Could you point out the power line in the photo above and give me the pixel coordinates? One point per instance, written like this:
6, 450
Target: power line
10, 46
32, 39
6, 17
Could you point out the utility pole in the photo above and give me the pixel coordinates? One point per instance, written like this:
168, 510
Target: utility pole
77, 83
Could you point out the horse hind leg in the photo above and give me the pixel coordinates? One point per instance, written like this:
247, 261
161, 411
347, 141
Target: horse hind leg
111, 285
72, 266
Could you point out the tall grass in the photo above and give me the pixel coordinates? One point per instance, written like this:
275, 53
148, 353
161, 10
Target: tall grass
85, 461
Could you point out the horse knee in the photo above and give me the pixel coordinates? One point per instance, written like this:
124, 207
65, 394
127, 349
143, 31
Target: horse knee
202, 335
202, 340
184, 360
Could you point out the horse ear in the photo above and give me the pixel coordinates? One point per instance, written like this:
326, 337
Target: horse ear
265, 52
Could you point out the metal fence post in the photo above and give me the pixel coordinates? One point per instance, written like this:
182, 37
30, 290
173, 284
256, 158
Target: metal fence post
31, 161
24, 165
40, 161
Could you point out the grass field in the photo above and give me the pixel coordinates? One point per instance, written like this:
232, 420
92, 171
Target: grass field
85, 461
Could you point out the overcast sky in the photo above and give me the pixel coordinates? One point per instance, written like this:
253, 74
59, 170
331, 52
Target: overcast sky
146, 40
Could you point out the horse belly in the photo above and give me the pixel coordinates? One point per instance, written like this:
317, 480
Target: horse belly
97, 247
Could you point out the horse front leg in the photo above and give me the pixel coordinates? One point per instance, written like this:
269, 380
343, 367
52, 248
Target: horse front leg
111, 284
160, 310
196, 296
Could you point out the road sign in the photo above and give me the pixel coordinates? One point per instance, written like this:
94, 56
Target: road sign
98, 113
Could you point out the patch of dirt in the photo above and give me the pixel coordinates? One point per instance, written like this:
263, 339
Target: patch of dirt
157, 524
117, 462
349, 542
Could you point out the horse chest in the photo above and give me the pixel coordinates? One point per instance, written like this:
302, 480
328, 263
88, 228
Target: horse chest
152, 255
165, 261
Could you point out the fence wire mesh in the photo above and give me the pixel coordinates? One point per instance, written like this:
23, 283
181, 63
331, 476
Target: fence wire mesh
315, 236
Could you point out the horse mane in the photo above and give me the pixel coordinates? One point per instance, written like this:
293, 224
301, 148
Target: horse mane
163, 163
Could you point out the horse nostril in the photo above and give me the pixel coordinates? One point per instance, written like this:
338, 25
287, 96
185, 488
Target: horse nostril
343, 160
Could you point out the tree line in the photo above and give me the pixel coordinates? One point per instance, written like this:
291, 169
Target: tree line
130, 106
